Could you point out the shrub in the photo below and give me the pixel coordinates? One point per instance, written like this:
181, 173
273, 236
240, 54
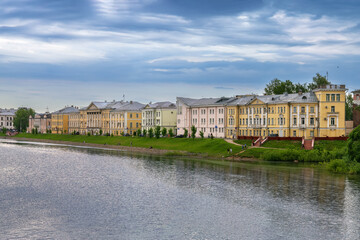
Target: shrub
353, 146
144, 132
338, 166
193, 131
201, 134
101, 132
186, 132
164, 132
139, 132
3, 130
88, 133
151, 133
157, 131
171, 133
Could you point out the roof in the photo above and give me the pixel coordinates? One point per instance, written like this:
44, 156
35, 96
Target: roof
130, 106
66, 110
356, 91
241, 100
308, 97
7, 113
162, 105
204, 101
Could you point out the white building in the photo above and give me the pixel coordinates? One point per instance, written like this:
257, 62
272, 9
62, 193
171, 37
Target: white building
7, 118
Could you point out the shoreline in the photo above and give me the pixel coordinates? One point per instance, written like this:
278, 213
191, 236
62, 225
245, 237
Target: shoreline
151, 151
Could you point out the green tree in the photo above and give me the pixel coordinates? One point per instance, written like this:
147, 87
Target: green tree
21, 119
193, 131
151, 133
171, 133
3, 130
186, 132
276, 86
349, 103
101, 131
144, 132
164, 132
318, 81
139, 132
157, 131
354, 144
201, 134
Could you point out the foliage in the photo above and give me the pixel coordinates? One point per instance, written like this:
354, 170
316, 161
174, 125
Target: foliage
349, 108
21, 119
186, 132
353, 146
134, 133
318, 81
282, 144
164, 132
139, 132
144, 132
277, 86
151, 133
193, 131
3, 130
157, 132
171, 133
88, 133
201, 134
101, 132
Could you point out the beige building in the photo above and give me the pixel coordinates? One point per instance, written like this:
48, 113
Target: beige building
7, 118
41, 122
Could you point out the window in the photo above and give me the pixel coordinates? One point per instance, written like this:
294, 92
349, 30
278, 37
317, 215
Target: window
130, 115
294, 122
312, 109
333, 109
302, 109
328, 97
137, 115
294, 133
332, 121
333, 97
302, 121
338, 97
311, 133
311, 121
294, 110
131, 125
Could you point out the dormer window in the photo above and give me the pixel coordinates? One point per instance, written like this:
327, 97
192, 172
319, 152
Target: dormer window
304, 97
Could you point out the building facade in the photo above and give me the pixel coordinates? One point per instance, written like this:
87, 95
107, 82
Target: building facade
207, 115
356, 111
320, 113
41, 122
7, 118
163, 114
60, 120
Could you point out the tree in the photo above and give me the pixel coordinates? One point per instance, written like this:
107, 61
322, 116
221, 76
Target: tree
318, 81
186, 132
157, 131
201, 134
139, 132
144, 132
171, 133
21, 119
164, 132
3, 130
276, 86
151, 133
193, 131
101, 132
354, 144
349, 102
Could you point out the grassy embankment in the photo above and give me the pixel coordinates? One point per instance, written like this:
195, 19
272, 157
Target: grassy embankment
176, 146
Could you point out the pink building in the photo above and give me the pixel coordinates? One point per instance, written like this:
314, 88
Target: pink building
356, 113
206, 114
42, 122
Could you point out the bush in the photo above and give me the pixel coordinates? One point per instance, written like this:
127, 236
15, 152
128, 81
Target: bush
338, 166
164, 132
193, 131
139, 132
88, 133
171, 133
151, 133
201, 134
3, 130
157, 131
353, 146
186, 133
281, 155
144, 132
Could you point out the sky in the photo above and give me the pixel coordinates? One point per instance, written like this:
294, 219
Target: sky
71, 52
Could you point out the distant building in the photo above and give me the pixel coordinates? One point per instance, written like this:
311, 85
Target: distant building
356, 113
7, 118
206, 114
41, 122
163, 114
60, 120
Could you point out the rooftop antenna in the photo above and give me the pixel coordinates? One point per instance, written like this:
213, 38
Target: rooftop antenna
47, 109
327, 76
124, 97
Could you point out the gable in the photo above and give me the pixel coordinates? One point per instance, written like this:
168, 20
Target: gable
92, 107
256, 101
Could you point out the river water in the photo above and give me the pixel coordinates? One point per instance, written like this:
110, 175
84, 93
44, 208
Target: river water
52, 192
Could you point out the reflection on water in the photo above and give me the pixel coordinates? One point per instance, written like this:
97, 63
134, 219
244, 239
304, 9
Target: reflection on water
70, 193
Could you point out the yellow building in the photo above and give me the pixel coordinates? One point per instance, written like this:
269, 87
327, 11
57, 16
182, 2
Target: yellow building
126, 119
74, 121
60, 120
320, 113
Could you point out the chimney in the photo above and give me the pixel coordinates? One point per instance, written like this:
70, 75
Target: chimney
300, 92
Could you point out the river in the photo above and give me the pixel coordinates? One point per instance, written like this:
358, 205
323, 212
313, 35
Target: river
60, 192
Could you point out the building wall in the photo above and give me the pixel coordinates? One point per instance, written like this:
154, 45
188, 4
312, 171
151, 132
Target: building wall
133, 122
7, 121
